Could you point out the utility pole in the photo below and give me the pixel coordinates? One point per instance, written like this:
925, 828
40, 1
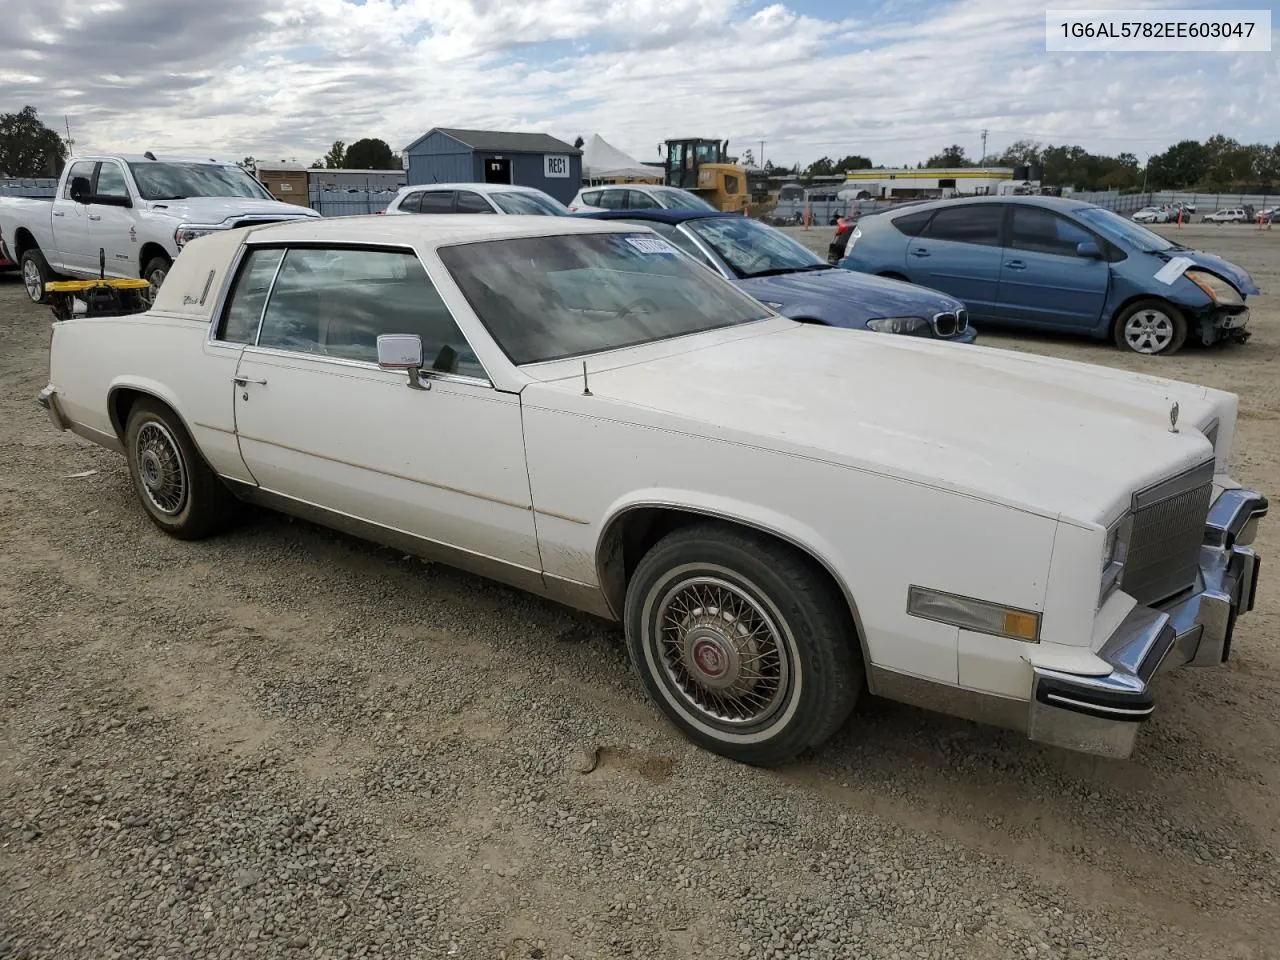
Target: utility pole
983, 161
761, 154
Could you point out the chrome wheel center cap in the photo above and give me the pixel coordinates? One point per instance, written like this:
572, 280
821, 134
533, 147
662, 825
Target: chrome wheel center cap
152, 469
711, 658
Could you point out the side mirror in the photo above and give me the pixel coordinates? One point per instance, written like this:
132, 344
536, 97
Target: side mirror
80, 189
401, 351
1089, 250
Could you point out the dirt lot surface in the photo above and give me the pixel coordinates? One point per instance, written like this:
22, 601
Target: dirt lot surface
287, 743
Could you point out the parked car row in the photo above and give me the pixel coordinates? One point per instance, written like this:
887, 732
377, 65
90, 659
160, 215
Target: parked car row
1059, 264
780, 514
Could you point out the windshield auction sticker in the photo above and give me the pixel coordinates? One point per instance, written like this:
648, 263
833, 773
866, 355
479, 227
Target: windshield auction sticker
651, 245
1126, 31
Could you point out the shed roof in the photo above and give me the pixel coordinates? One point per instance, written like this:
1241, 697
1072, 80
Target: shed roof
498, 140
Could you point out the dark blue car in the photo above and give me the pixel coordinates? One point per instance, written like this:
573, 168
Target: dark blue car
1059, 264
796, 282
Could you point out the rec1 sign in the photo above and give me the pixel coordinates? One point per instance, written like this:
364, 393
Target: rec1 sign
555, 166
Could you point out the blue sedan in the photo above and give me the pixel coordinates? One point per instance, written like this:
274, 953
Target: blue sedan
1058, 264
796, 282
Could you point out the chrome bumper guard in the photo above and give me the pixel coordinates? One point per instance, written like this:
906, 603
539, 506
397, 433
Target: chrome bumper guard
49, 400
1102, 714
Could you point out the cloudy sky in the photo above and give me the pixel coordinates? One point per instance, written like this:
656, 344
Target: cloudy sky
895, 80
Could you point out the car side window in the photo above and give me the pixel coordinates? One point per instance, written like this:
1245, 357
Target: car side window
1042, 231
437, 201
471, 202
335, 302
111, 181
410, 203
912, 223
83, 168
639, 200
611, 199
969, 223
240, 318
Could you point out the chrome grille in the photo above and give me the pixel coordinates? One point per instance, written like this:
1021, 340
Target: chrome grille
1163, 553
944, 324
962, 321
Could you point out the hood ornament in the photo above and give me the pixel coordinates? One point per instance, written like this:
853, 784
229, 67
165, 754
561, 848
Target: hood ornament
1173, 418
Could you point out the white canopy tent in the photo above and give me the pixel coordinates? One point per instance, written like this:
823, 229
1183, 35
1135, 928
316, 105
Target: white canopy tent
603, 161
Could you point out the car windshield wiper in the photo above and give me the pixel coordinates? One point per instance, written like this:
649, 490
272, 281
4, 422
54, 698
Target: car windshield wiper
176, 196
776, 271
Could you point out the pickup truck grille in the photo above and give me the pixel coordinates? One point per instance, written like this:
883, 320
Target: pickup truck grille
1168, 529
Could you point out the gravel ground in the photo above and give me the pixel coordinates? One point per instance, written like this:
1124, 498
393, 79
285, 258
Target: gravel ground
287, 743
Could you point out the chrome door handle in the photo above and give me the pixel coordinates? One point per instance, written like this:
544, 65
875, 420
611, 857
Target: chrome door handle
59, 213
94, 216
1016, 265
920, 252
245, 381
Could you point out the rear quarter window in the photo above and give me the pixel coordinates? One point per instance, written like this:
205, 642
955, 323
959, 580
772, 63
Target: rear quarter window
912, 223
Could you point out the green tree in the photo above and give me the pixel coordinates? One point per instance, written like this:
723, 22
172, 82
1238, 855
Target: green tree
336, 158
28, 148
1182, 165
578, 142
369, 154
952, 156
852, 162
821, 168
1021, 153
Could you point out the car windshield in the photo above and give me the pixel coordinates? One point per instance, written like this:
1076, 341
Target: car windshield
535, 204
178, 181
752, 249
1124, 231
548, 298
673, 198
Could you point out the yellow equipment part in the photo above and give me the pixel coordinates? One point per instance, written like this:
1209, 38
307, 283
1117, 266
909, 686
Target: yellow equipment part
78, 286
724, 186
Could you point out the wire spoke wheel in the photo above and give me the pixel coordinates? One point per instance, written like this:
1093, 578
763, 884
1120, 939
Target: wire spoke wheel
161, 468
1149, 331
723, 654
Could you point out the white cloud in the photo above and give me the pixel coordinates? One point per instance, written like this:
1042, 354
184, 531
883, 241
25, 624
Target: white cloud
897, 82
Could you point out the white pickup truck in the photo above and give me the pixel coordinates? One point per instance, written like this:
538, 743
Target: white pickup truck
129, 216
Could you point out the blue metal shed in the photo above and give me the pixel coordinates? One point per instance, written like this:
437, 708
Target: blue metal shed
449, 155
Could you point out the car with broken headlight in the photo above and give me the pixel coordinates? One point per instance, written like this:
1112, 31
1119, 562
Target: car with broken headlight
782, 515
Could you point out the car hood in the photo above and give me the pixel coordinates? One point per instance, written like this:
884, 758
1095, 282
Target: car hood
1052, 437
215, 210
1237, 276
845, 298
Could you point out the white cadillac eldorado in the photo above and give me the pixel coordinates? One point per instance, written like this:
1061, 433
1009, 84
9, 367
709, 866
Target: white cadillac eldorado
780, 514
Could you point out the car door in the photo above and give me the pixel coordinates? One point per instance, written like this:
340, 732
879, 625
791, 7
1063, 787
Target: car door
958, 252
111, 222
436, 201
639, 200
1043, 280
71, 225
468, 201
320, 423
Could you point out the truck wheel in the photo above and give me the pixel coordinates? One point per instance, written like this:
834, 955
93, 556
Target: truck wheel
36, 275
742, 642
1153, 327
181, 494
154, 272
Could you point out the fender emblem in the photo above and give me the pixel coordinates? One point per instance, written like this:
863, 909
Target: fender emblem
1173, 418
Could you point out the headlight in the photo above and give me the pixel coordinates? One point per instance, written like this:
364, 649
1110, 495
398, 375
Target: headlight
910, 326
1114, 549
190, 231
1217, 289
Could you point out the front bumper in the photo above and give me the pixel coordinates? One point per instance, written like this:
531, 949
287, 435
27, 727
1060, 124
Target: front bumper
1102, 714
